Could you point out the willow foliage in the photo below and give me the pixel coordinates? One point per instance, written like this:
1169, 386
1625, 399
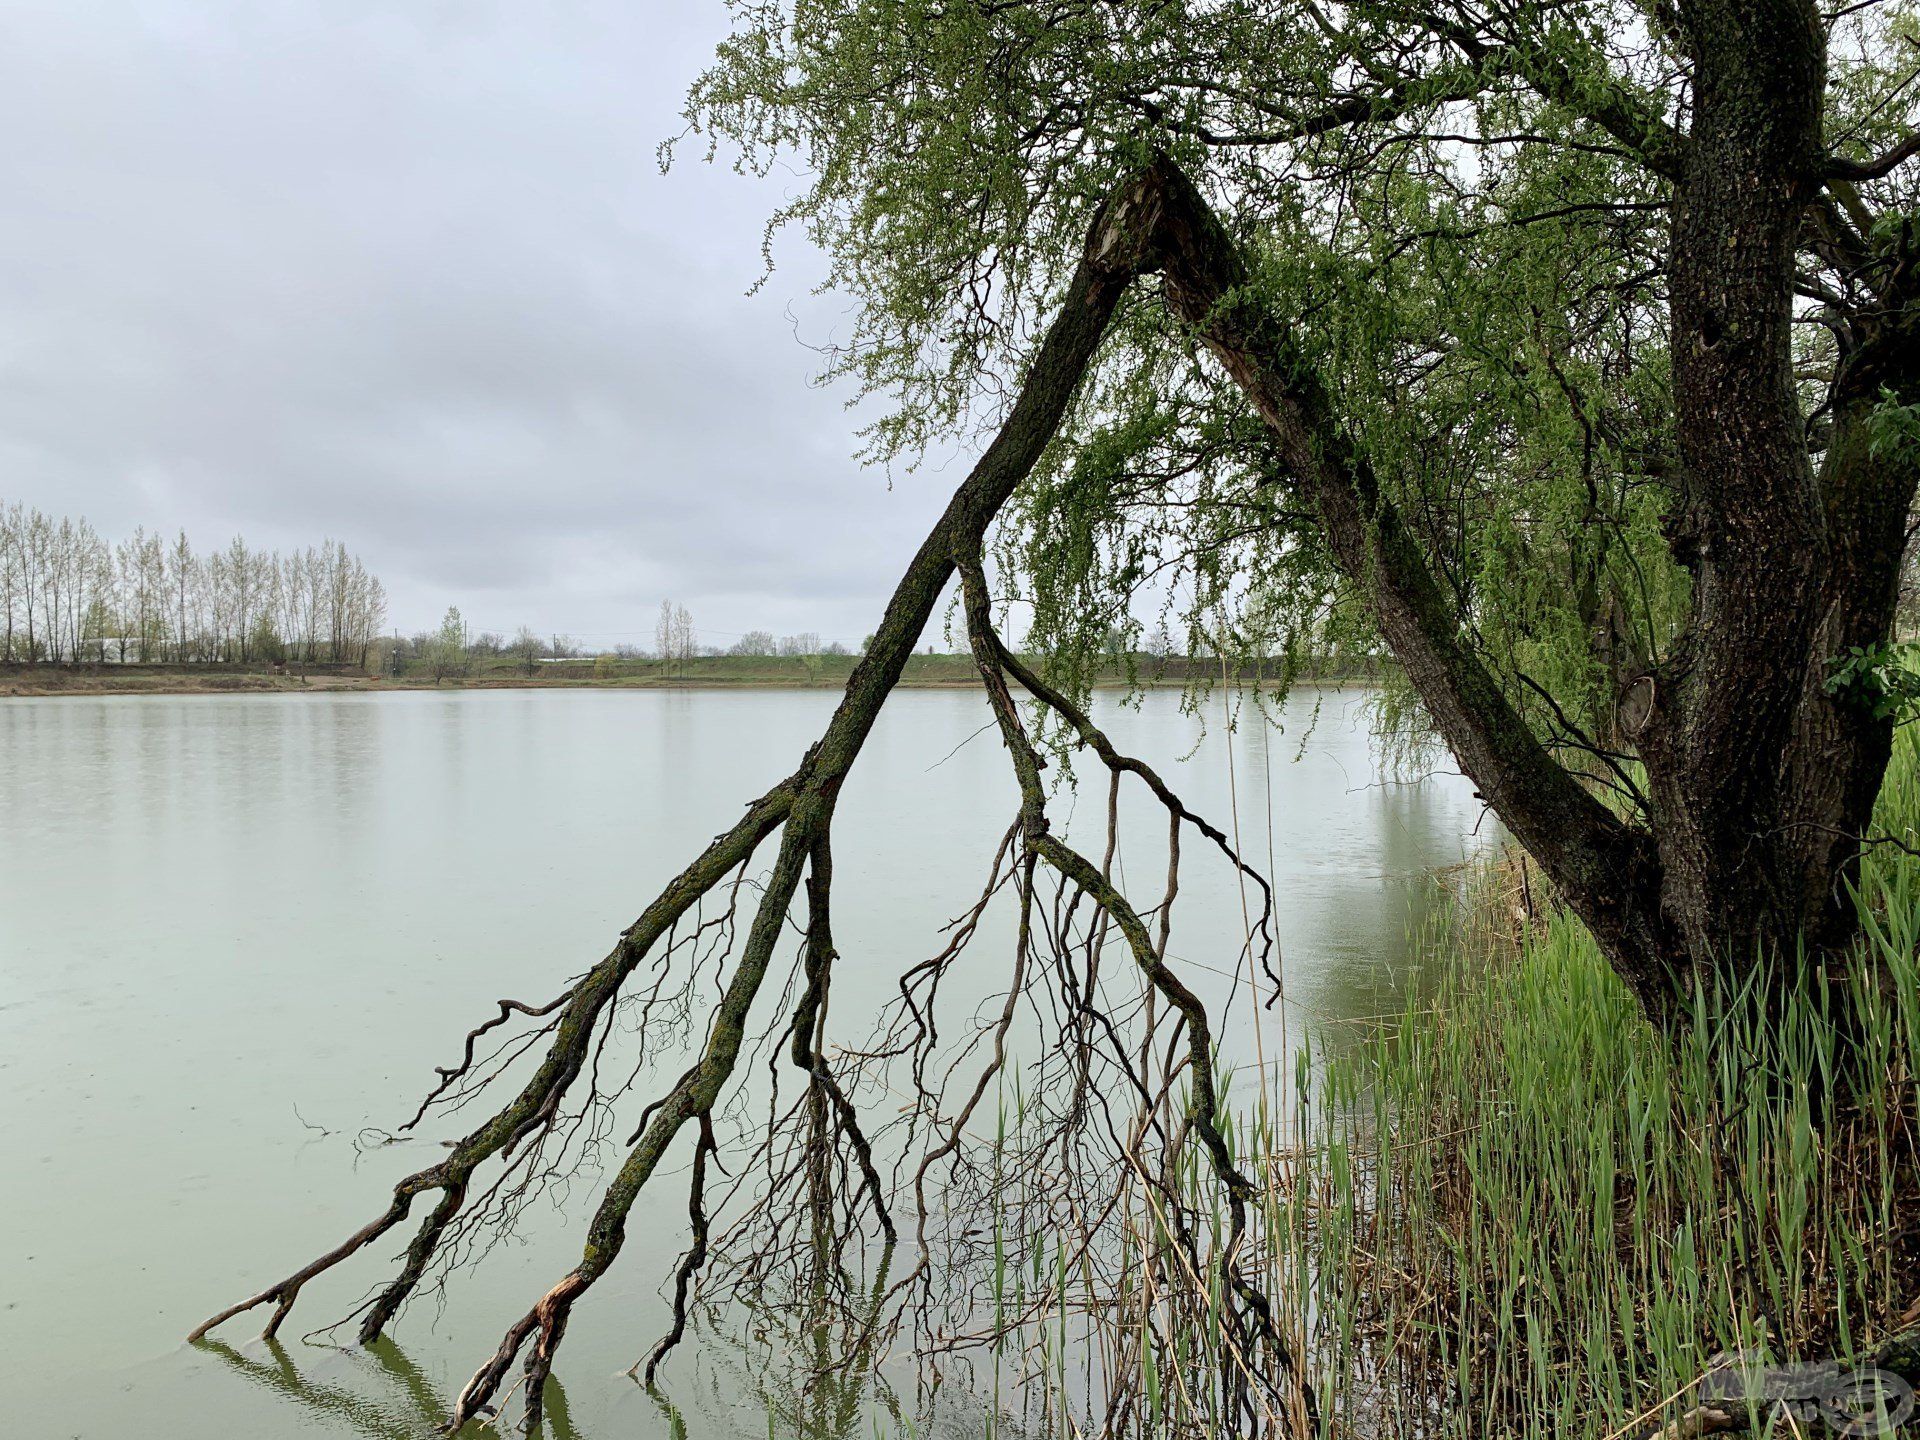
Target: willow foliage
1477, 264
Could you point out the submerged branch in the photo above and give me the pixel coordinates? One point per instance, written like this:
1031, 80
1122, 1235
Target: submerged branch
1203, 1105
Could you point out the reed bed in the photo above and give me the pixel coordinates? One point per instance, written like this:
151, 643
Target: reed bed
1516, 1209
1528, 1214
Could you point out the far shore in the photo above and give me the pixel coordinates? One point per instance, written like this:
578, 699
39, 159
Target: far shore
719, 672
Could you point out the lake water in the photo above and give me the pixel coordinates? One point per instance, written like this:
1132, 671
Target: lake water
218, 911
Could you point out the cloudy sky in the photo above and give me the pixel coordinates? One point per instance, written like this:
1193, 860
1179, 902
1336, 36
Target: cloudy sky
408, 275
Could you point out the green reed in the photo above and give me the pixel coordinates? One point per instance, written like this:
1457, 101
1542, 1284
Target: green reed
1517, 1209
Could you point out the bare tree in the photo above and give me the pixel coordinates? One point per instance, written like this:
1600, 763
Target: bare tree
10, 574
525, 648
685, 637
68, 594
674, 636
663, 634
182, 571
141, 565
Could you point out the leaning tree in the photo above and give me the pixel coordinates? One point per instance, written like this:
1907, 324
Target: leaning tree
1565, 348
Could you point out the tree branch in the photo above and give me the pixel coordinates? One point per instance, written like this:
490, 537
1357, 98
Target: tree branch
1839, 168
1605, 868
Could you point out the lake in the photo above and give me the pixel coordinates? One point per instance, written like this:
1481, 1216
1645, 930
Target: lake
236, 931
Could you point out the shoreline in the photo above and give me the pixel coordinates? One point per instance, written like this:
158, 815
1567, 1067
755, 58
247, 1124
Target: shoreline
53, 684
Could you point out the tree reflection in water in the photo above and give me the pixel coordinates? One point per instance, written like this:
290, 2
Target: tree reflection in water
808, 1371
407, 1410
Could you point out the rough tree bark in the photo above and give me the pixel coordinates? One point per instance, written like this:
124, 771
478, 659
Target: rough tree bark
1762, 779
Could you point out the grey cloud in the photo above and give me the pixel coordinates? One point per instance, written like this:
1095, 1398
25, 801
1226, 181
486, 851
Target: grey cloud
410, 276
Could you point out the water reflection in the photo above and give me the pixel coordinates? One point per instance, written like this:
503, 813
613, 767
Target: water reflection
813, 1372
406, 1406
218, 911
812, 1368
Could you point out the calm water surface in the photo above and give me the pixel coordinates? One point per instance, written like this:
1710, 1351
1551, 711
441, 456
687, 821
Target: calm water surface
215, 911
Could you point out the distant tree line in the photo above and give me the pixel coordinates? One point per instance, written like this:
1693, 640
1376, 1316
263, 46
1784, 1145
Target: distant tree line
452, 650
67, 593
807, 643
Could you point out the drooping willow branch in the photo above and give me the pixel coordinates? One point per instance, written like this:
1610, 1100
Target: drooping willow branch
1147, 224
990, 657
1096, 740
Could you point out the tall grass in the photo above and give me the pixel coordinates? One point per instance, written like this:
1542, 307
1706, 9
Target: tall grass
1516, 1210
1519, 1210
1522, 1211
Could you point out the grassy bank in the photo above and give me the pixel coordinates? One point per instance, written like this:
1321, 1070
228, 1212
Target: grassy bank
1521, 1211
1517, 1210
1528, 1214
828, 672
42, 680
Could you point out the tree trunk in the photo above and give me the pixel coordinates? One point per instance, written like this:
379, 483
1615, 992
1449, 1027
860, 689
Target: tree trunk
1726, 707
1761, 779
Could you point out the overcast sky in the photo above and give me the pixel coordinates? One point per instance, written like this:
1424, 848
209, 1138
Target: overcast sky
408, 275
